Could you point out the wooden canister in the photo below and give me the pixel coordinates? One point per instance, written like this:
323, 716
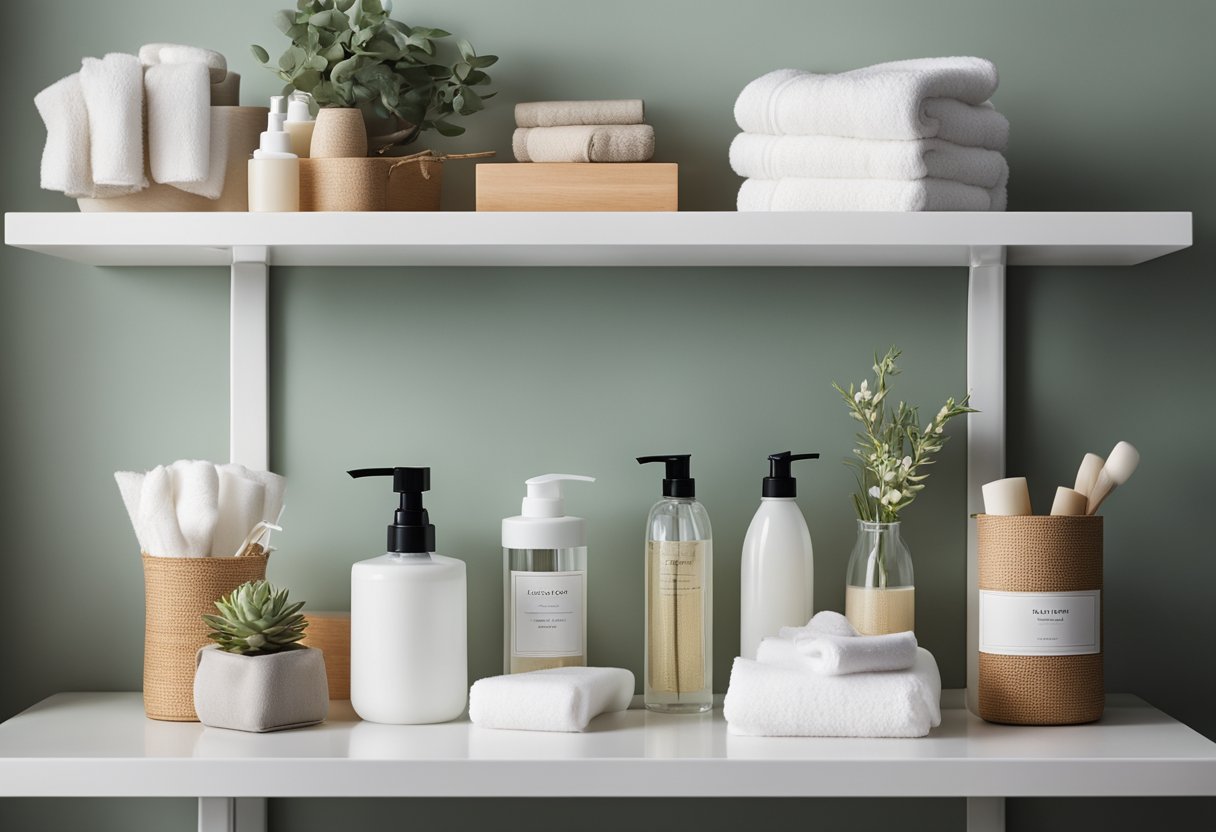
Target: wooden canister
340, 134
330, 632
1040, 620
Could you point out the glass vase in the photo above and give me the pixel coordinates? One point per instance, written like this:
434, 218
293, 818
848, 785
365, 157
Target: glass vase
880, 595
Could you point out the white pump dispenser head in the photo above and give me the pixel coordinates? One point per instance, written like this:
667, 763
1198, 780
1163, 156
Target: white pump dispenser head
542, 522
297, 108
275, 143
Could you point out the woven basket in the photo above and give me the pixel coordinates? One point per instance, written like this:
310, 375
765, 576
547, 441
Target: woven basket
177, 591
1041, 554
372, 183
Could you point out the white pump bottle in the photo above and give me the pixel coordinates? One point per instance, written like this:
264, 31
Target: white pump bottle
274, 171
544, 580
778, 572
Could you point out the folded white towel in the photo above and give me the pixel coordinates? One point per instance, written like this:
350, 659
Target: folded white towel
151, 54
775, 701
113, 89
130, 486
158, 515
66, 166
179, 127
823, 623
242, 502
833, 157
196, 501
897, 100
559, 699
867, 195
841, 655
588, 143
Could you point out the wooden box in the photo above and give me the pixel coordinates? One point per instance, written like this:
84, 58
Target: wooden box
577, 186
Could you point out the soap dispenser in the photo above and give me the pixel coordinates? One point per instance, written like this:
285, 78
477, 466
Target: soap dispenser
679, 596
274, 171
544, 580
300, 123
778, 573
408, 626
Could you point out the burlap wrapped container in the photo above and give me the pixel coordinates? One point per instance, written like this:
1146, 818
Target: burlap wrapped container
371, 183
1041, 554
177, 591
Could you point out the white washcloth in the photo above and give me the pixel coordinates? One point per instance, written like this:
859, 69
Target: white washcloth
113, 89
158, 516
66, 166
832, 157
775, 701
897, 100
823, 623
196, 501
242, 503
151, 54
179, 126
559, 699
868, 195
841, 655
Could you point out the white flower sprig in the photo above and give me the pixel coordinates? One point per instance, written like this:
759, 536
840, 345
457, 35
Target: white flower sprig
893, 448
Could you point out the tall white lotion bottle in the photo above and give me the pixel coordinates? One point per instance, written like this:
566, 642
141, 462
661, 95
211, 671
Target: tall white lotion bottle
544, 580
408, 618
274, 171
777, 578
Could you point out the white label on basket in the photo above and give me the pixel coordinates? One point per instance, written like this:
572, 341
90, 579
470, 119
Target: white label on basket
1040, 623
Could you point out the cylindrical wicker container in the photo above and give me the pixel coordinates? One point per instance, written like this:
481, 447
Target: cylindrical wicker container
177, 591
340, 133
373, 183
1040, 582
330, 632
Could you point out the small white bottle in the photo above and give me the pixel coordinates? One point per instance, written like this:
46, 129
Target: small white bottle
778, 574
408, 619
544, 581
300, 123
274, 171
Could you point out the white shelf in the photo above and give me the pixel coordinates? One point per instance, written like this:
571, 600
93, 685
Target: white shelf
602, 239
100, 744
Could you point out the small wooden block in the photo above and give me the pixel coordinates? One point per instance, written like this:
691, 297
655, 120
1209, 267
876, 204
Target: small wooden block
578, 186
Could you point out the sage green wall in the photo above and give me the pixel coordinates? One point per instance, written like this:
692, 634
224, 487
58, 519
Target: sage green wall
102, 369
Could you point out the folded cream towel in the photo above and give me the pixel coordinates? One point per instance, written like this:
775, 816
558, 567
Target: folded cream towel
833, 157
897, 100
560, 699
179, 128
562, 113
591, 143
113, 89
151, 54
867, 195
841, 655
777, 701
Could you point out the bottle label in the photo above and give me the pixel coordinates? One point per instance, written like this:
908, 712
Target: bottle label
548, 619
1040, 623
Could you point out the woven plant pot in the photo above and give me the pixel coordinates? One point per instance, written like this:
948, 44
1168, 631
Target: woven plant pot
339, 134
177, 591
373, 183
242, 127
260, 693
1040, 581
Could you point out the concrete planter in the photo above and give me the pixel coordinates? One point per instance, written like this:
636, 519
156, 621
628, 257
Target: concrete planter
260, 693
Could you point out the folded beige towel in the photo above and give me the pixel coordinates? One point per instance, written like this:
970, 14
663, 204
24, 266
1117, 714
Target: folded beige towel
565, 113
588, 143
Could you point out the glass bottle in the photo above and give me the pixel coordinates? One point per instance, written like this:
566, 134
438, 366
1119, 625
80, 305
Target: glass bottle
880, 595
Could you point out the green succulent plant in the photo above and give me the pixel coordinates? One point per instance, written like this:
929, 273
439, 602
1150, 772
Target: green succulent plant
256, 618
351, 53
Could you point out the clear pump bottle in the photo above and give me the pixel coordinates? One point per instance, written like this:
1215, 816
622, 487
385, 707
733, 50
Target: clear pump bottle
544, 581
679, 596
408, 618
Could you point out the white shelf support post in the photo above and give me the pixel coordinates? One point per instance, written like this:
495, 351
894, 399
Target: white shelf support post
985, 814
986, 429
228, 814
249, 395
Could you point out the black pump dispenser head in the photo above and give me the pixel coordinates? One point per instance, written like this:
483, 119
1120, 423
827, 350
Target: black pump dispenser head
780, 482
411, 531
679, 482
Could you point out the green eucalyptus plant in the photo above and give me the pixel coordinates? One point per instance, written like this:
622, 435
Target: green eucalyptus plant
351, 53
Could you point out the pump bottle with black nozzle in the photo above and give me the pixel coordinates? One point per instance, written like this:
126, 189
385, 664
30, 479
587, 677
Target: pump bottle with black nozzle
544, 580
777, 579
679, 596
408, 618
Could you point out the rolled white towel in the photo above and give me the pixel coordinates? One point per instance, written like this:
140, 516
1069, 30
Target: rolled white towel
832, 157
151, 54
841, 655
66, 166
775, 701
196, 501
559, 699
867, 195
241, 502
179, 128
113, 89
130, 486
158, 515
896, 100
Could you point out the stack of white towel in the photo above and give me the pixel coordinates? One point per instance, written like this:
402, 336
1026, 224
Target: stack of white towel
825, 680
95, 123
916, 135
